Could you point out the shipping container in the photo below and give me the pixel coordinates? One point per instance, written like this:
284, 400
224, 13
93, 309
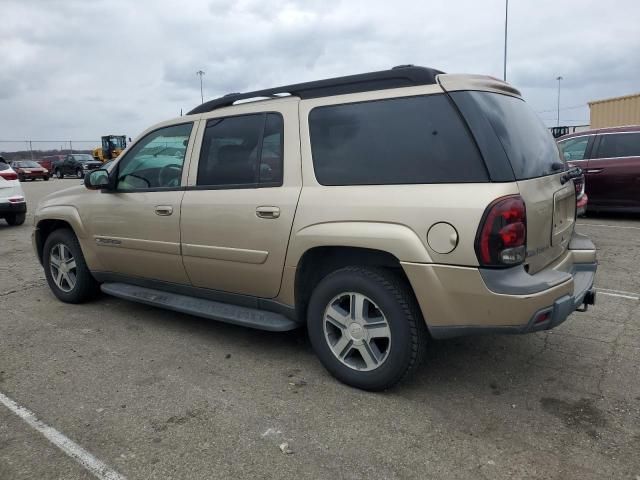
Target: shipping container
615, 112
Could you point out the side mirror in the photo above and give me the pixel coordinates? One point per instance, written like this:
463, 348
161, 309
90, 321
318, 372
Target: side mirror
97, 179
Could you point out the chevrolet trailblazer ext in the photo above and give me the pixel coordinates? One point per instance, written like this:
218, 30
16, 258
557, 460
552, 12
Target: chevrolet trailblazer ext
379, 210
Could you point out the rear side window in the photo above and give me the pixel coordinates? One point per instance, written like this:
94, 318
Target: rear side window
529, 145
405, 140
619, 145
242, 151
574, 148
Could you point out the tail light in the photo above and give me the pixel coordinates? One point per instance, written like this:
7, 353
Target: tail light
578, 183
502, 235
9, 175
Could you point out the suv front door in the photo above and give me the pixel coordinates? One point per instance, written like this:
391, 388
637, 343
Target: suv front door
136, 228
239, 206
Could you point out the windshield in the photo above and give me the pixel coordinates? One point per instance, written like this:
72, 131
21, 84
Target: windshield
528, 144
83, 158
28, 164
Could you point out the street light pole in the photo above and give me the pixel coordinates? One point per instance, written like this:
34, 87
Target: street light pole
506, 18
200, 73
559, 80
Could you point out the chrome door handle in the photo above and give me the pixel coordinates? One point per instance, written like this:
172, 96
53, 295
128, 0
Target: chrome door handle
593, 170
164, 210
268, 212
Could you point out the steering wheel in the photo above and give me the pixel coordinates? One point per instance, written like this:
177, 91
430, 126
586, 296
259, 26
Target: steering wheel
169, 175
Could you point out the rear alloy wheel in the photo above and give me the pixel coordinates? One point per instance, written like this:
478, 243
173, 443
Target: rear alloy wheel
79, 173
366, 327
15, 219
59, 174
64, 266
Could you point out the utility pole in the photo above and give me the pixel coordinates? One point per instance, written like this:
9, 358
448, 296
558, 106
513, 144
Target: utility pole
506, 18
559, 80
31, 149
200, 73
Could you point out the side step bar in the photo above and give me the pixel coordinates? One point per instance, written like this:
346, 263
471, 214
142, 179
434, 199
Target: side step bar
200, 307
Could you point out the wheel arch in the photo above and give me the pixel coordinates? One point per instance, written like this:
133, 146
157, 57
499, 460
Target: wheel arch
318, 262
55, 218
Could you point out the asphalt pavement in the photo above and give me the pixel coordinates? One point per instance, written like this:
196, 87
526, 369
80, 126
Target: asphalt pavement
154, 394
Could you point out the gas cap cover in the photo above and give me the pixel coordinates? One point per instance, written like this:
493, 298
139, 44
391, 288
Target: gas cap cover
442, 237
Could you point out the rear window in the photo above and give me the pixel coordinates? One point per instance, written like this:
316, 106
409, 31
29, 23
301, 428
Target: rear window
623, 144
528, 144
405, 140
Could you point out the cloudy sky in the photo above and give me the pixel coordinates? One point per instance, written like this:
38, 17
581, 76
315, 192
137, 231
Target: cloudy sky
78, 69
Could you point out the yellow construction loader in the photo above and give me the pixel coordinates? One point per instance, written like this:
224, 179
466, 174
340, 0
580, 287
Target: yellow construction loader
112, 146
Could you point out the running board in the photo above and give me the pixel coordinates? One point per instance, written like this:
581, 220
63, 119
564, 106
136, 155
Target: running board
200, 307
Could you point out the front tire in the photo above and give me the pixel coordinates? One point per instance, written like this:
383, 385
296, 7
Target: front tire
46, 178
79, 173
366, 327
59, 174
15, 219
65, 268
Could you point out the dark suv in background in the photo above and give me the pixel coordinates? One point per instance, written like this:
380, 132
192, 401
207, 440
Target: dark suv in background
76, 164
610, 158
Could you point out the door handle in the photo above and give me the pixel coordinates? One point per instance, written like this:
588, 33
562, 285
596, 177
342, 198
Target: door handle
593, 170
164, 210
268, 212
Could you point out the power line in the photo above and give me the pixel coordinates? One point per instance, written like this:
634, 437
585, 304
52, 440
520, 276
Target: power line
563, 108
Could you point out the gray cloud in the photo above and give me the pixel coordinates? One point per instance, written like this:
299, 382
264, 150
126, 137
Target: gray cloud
77, 69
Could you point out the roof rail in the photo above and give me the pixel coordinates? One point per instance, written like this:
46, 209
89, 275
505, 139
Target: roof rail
400, 76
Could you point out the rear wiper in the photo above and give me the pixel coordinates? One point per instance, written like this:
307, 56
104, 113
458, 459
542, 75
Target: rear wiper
574, 172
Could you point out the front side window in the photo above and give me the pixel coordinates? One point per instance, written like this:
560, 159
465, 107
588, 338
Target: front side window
405, 140
242, 151
156, 160
573, 148
621, 144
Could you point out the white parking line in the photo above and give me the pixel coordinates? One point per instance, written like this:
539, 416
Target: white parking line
72, 449
618, 293
606, 226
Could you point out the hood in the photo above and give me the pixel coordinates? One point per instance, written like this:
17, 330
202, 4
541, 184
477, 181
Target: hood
68, 196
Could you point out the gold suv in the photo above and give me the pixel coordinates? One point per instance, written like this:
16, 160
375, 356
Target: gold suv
378, 210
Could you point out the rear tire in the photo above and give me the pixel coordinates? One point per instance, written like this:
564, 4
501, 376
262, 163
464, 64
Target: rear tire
65, 268
377, 349
15, 219
59, 174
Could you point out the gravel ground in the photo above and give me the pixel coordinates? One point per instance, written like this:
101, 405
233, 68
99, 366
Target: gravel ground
155, 394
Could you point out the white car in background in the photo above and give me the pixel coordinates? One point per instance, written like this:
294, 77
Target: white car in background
13, 207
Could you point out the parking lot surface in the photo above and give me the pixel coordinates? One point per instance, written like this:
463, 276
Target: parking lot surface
156, 394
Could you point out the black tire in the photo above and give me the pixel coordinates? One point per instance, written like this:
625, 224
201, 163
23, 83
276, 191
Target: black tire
79, 173
46, 178
59, 173
393, 296
21, 178
15, 219
85, 287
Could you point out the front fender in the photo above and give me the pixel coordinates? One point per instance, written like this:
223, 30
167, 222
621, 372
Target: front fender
398, 240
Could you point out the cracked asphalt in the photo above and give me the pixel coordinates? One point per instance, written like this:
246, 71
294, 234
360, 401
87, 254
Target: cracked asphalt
158, 395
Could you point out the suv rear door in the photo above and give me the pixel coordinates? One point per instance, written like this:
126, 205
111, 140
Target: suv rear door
499, 113
241, 198
613, 172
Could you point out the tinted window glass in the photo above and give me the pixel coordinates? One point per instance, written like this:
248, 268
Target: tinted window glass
573, 148
619, 145
528, 144
156, 160
397, 141
242, 150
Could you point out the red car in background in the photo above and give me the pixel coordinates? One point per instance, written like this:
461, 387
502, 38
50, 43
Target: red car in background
610, 159
50, 161
29, 170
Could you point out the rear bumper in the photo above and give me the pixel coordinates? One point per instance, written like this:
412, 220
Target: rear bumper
457, 301
8, 208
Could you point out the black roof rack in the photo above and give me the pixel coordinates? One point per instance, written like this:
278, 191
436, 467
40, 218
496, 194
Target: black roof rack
400, 76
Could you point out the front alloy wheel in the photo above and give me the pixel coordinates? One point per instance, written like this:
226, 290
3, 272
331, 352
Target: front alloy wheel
357, 331
63, 267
